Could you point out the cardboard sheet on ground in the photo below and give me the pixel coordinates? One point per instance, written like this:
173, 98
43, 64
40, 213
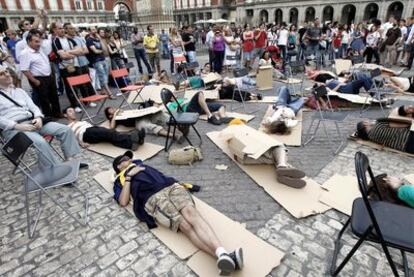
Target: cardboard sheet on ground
378, 146
245, 117
144, 152
149, 92
137, 113
259, 257
208, 94
342, 65
292, 81
340, 192
231, 233
353, 98
294, 138
298, 202
266, 99
211, 78
177, 242
119, 128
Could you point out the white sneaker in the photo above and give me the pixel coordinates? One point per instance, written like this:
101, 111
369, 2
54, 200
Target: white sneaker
92, 105
78, 110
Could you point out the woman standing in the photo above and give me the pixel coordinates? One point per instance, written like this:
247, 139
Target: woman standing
358, 36
248, 45
219, 47
282, 40
292, 41
115, 53
176, 46
371, 49
346, 37
230, 56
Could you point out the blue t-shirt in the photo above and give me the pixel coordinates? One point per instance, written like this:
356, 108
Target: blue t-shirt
144, 185
81, 43
92, 57
11, 45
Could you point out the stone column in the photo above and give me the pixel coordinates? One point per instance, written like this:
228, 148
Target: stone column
408, 9
382, 12
301, 15
319, 12
359, 14
285, 17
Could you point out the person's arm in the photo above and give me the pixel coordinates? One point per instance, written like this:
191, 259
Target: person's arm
406, 194
112, 123
125, 195
111, 51
31, 78
94, 50
396, 88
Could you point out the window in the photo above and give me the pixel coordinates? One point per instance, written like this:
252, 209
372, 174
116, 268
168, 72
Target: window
100, 5
90, 5
78, 5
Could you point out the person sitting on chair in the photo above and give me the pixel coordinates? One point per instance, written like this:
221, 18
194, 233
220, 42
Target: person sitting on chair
161, 200
392, 133
87, 134
152, 124
216, 113
18, 113
283, 118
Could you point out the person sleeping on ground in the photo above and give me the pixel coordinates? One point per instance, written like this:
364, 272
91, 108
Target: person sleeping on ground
283, 117
406, 110
276, 156
87, 134
226, 89
216, 113
161, 200
401, 84
152, 124
351, 85
394, 190
392, 133
320, 76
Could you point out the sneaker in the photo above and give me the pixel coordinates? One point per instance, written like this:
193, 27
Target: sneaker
291, 182
92, 105
226, 120
213, 120
134, 136
259, 96
226, 264
141, 137
134, 146
237, 257
78, 110
290, 172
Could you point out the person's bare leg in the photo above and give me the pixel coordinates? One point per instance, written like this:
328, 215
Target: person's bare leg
203, 104
189, 232
222, 112
164, 133
203, 230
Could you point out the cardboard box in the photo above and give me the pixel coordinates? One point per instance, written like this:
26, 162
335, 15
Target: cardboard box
137, 113
264, 78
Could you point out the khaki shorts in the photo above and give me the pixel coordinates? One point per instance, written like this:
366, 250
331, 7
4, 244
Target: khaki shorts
165, 206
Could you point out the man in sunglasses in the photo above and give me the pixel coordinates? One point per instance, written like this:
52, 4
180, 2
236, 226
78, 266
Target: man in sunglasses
159, 199
18, 113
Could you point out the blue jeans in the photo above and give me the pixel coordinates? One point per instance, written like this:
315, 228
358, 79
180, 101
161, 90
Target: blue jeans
286, 100
248, 83
102, 72
313, 48
141, 55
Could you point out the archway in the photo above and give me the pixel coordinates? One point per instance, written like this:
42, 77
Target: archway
327, 14
310, 14
395, 9
348, 14
122, 12
371, 11
278, 16
293, 16
264, 16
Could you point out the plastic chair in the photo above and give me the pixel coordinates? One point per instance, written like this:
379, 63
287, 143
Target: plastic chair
123, 73
379, 222
41, 180
321, 117
85, 79
178, 118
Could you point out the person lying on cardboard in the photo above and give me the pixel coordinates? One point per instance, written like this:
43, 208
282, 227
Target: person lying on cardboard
392, 133
87, 134
394, 190
406, 110
152, 124
216, 113
351, 86
226, 91
401, 84
250, 146
161, 200
283, 118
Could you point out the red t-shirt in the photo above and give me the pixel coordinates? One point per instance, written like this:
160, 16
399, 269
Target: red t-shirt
261, 41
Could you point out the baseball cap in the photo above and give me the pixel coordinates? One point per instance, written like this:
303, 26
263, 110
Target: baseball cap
118, 160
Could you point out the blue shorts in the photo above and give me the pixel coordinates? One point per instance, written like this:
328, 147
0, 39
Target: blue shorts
102, 72
194, 106
247, 56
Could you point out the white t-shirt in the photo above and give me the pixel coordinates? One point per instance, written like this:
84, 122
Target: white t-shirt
79, 128
283, 37
283, 113
372, 39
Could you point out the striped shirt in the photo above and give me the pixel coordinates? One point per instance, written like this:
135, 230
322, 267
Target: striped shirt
395, 138
79, 128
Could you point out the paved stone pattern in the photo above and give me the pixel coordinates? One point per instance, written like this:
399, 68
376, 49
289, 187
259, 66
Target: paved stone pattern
116, 244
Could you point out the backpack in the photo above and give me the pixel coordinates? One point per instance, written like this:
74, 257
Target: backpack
185, 156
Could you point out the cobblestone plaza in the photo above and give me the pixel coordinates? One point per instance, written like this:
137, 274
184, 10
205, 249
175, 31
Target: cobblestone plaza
115, 243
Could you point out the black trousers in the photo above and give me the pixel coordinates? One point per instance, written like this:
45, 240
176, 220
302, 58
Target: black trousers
369, 52
85, 90
100, 134
46, 97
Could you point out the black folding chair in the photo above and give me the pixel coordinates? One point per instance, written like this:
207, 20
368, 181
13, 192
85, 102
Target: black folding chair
381, 222
41, 180
239, 73
292, 69
323, 116
377, 91
178, 119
